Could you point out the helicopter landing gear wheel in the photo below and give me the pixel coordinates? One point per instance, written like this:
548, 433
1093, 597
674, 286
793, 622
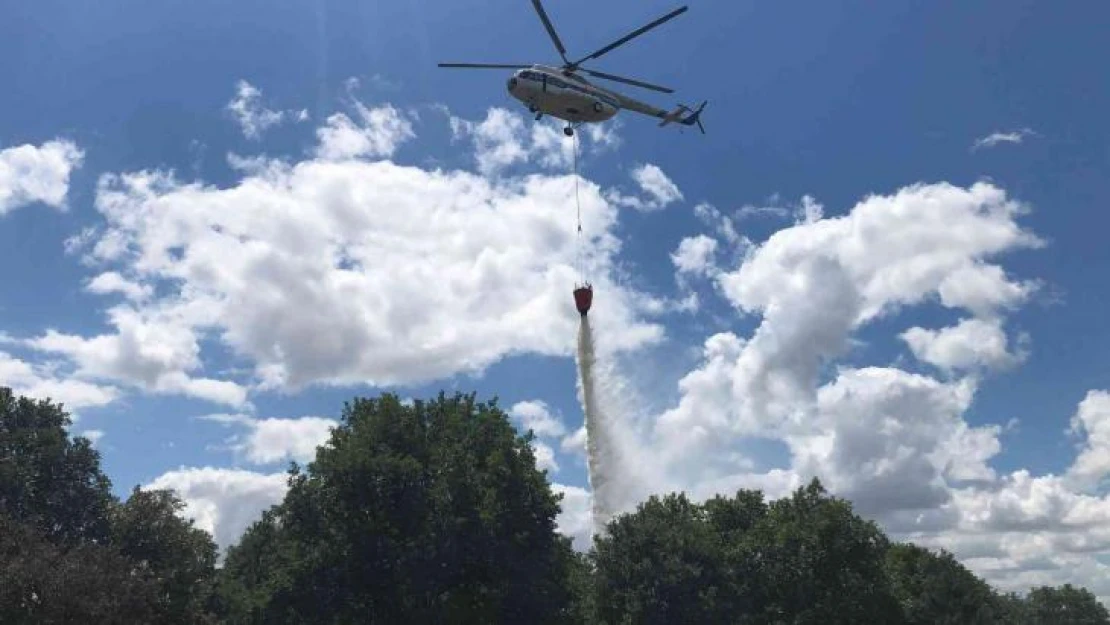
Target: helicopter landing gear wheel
568, 131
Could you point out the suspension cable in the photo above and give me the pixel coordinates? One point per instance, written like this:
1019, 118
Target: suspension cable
578, 205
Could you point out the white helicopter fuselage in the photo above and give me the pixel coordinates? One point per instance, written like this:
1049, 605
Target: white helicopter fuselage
571, 98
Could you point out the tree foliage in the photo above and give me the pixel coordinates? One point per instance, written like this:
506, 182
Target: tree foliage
803, 559
47, 479
1064, 605
72, 552
149, 531
430, 512
435, 512
934, 589
43, 582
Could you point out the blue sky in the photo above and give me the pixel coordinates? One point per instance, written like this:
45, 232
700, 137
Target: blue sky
835, 101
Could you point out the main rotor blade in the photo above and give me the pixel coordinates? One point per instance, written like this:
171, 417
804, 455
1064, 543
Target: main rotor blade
550, 30
636, 33
484, 65
629, 81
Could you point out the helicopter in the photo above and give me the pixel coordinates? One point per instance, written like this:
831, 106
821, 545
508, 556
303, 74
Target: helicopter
563, 93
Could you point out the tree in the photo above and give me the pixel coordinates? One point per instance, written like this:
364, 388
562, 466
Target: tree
430, 512
72, 551
1064, 605
935, 589
662, 564
820, 563
179, 557
47, 479
44, 583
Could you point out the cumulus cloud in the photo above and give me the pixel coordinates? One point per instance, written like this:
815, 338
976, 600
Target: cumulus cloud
1092, 422
898, 444
817, 282
357, 239
504, 139
805, 211
223, 502
574, 518
970, 344
545, 457
94, 436
30, 173
656, 184
658, 191
362, 241
113, 282
254, 118
378, 132
695, 255
536, 415
274, 440
998, 137
44, 381
152, 349
575, 442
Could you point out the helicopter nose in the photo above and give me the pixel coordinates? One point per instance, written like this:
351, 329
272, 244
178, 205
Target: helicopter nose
512, 84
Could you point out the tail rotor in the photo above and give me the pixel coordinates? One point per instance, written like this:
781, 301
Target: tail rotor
695, 117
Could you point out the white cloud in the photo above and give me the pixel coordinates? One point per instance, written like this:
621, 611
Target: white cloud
574, 519
695, 255
223, 502
42, 381
361, 241
275, 440
970, 344
31, 174
983, 289
536, 415
996, 138
545, 457
253, 118
94, 436
604, 135
504, 139
807, 210
887, 440
380, 131
497, 139
1092, 421
575, 442
659, 191
656, 184
112, 282
154, 349
749, 211
816, 282
898, 444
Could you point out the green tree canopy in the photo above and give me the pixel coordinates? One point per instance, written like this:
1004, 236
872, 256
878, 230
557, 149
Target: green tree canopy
1064, 605
148, 530
935, 589
662, 564
75, 553
47, 479
430, 512
45, 583
803, 559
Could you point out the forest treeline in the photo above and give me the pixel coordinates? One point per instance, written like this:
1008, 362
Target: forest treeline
435, 512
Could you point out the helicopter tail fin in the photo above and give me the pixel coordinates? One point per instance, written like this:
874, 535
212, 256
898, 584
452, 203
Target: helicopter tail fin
693, 118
